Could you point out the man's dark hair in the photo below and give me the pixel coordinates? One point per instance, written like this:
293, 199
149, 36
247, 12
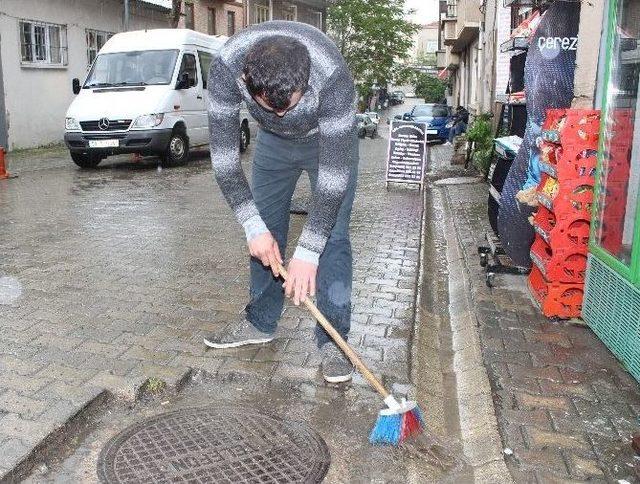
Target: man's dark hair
275, 67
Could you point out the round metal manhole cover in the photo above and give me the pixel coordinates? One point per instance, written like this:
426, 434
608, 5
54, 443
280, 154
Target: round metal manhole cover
199, 445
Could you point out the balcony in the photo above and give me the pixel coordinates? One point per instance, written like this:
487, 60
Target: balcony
461, 26
449, 33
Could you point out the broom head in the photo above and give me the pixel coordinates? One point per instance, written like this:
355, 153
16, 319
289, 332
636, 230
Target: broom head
397, 423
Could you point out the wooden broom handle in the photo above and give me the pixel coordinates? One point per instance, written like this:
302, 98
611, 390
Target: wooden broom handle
344, 346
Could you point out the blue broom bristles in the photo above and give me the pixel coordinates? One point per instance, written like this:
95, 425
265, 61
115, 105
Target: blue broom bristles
396, 428
387, 430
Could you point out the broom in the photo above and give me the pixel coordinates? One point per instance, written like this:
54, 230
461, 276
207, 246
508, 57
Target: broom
399, 420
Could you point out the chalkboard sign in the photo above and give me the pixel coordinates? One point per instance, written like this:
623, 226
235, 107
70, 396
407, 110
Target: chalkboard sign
407, 152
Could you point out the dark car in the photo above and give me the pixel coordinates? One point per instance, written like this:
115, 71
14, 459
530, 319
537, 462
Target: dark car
366, 127
396, 97
437, 117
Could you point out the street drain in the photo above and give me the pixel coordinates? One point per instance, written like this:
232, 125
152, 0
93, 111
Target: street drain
199, 445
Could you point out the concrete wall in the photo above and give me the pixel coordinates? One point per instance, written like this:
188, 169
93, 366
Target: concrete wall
591, 27
201, 15
36, 98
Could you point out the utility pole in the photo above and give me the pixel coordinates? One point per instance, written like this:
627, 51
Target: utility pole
126, 15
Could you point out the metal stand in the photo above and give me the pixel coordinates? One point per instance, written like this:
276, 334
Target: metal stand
490, 259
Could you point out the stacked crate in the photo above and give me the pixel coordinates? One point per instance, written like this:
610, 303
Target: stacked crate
568, 153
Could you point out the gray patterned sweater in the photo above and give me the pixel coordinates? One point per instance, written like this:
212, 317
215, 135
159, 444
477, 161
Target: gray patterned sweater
327, 110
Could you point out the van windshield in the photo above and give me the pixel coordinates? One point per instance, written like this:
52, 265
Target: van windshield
139, 68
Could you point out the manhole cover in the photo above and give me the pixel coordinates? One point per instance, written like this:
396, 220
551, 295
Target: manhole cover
201, 445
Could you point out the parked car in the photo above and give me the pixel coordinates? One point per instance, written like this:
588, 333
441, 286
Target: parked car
396, 97
374, 117
366, 127
437, 117
146, 93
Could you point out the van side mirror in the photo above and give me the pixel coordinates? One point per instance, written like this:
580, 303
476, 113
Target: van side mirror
183, 81
75, 85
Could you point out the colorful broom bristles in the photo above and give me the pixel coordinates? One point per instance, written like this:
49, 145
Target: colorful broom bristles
397, 423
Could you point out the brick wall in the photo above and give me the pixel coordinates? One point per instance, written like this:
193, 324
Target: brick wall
201, 15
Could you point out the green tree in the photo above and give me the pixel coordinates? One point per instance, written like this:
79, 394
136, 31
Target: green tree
430, 88
374, 38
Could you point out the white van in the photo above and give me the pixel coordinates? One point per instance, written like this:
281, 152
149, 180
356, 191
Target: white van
145, 93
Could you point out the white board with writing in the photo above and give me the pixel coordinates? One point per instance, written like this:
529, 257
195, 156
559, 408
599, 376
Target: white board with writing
407, 152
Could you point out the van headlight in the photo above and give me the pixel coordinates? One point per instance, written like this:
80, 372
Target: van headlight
449, 124
148, 120
71, 124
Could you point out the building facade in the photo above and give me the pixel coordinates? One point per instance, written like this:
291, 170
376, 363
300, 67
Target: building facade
425, 45
313, 12
213, 17
460, 22
43, 46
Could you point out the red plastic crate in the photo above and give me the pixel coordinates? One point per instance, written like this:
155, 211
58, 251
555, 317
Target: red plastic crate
570, 233
556, 299
573, 198
559, 264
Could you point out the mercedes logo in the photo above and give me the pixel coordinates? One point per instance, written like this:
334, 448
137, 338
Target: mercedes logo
103, 124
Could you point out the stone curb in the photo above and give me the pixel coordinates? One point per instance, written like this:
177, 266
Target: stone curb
478, 424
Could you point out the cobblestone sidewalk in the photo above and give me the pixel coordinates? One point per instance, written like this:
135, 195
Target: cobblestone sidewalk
112, 277
565, 407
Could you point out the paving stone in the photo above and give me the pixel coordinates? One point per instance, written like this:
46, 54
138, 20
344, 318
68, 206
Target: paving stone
11, 401
565, 393
584, 468
543, 440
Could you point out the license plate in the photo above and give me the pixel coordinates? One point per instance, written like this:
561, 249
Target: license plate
104, 143
432, 131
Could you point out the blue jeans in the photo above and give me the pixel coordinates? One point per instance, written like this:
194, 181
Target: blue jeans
456, 130
277, 165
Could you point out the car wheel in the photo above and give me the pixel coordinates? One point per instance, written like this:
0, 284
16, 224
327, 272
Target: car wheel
374, 133
86, 160
245, 136
177, 151
361, 133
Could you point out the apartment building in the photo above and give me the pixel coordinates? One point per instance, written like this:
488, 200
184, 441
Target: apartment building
226, 17
43, 46
460, 22
313, 12
213, 17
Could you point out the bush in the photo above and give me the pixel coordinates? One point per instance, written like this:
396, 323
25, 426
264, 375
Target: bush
480, 131
430, 88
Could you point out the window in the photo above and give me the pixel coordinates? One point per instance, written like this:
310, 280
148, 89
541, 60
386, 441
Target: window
132, 68
617, 202
289, 12
211, 21
452, 8
431, 46
95, 40
189, 66
231, 23
43, 43
316, 19
262, 13
205, 64
189, 20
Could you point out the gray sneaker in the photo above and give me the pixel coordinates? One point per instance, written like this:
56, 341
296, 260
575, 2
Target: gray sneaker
237, 334
336, 367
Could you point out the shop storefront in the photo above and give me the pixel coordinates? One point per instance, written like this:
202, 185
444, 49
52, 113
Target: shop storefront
612, 299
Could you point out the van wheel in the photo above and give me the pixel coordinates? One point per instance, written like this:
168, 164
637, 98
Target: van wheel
245, 136
85, 160
177, 151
